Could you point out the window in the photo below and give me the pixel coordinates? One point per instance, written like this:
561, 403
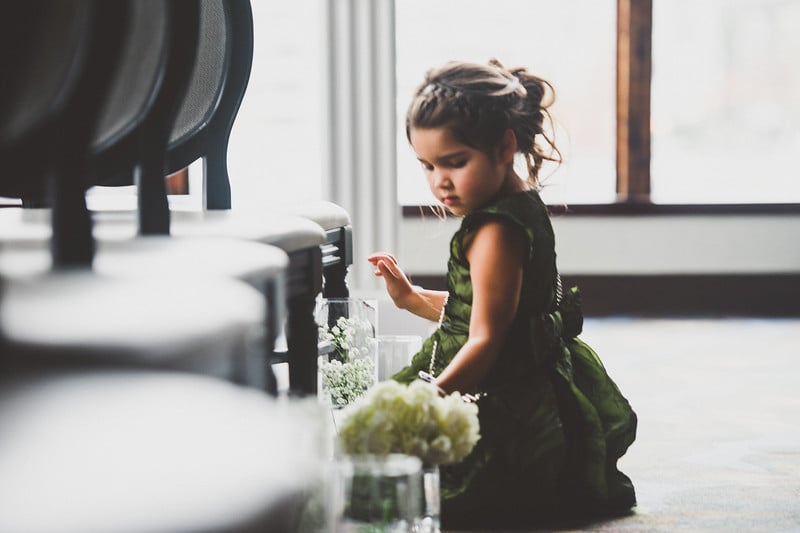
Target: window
571, 44
275, 146
665, 101
725, 106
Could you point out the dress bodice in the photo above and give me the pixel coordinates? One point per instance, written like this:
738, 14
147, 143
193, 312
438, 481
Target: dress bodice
527, 212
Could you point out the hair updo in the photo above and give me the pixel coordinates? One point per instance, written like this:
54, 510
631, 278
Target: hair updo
478, 103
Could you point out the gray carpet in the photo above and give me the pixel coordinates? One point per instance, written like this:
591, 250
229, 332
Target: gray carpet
718, 446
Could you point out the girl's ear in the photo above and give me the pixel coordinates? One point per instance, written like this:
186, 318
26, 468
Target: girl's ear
508, 147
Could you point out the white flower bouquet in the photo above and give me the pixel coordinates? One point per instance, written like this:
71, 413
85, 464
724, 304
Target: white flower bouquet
352, 370
410, 419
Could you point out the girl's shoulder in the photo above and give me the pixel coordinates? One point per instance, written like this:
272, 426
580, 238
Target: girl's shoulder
524, 209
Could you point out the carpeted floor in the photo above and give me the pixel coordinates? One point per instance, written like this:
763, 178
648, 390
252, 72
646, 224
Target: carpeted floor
718, 400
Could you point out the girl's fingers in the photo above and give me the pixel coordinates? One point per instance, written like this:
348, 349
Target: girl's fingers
378, 270
389, 268
374, 258
385, 266
384, 269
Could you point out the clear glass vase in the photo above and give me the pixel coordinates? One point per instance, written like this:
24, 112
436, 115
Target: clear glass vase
430, 521
377, 494
395, 353
347, 364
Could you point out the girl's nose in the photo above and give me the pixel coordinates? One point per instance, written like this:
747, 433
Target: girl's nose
441, 179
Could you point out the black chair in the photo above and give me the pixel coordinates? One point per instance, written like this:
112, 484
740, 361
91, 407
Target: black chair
295, 235
261, 265
204, 124
70, 316
204, 127
129, 143
203, 130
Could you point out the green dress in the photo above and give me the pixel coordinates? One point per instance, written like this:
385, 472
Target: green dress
553, 423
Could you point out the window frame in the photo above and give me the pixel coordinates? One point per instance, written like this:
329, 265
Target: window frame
634, 62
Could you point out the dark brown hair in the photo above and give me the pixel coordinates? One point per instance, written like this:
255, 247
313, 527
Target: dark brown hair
479, 103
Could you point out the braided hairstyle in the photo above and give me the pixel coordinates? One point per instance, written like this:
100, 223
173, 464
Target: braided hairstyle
479, 103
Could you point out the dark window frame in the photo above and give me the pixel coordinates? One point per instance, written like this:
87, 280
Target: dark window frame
634, 60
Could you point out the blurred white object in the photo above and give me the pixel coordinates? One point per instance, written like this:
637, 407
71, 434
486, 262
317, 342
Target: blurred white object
112, 451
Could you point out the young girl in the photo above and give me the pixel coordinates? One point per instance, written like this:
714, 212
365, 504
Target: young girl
553, 424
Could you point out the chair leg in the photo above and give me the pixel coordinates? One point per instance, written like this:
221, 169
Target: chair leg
218, 187
335, 282
276, 303
301, 338
305, 283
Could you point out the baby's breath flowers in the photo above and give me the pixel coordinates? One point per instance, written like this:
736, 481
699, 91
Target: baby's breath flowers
351, 337
351, 371
411, 419
346, 381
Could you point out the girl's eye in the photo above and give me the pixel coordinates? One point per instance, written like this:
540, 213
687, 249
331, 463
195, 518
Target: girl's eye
426, 166
458, 164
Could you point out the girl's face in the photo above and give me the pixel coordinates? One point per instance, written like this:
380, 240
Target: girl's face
461, 177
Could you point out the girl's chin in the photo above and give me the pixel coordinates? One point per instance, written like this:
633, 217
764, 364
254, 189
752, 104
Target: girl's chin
456, 210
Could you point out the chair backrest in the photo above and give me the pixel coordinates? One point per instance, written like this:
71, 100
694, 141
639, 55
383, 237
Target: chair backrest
43, 47
155, 69
219, 81
221, 71
119, 113
136, 83
155, 59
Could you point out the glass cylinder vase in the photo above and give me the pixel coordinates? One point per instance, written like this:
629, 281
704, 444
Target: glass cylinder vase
347, 364
378, 494
430, 520
395, 353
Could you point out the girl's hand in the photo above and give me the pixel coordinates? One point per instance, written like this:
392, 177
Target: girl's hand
397, 284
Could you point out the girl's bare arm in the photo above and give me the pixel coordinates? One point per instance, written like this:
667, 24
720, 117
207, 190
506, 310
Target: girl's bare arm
496, 256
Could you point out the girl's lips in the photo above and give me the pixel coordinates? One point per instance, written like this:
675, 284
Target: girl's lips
450, 200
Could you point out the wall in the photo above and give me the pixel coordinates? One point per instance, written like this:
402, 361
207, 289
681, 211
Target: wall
640, 245
661, 265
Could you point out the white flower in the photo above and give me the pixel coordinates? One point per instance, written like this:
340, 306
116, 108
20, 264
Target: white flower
413, 419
